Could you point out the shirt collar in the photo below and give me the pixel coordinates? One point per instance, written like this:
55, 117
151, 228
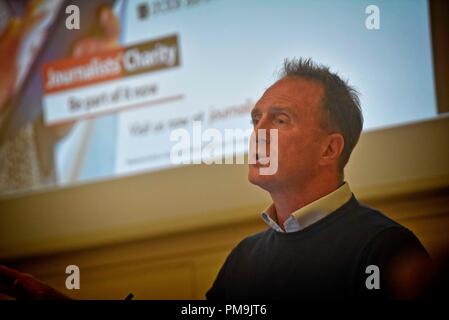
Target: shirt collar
310, 213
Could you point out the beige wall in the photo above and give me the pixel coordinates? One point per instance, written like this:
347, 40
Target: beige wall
164, 235
183, 265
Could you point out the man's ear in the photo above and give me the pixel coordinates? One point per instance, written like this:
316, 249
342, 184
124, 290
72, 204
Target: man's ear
332, 148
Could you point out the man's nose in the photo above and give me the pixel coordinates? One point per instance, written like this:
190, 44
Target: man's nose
262, 129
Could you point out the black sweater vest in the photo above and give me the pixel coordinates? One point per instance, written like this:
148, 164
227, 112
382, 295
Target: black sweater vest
328, 259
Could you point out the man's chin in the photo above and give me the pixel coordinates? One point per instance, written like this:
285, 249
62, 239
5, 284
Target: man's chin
262, 181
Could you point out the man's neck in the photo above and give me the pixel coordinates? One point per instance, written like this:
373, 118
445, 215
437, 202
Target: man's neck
291, 199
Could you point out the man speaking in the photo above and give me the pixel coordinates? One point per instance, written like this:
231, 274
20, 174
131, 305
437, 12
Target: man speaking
320, 241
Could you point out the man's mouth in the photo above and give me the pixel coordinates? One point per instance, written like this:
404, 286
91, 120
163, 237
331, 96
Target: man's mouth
262, 160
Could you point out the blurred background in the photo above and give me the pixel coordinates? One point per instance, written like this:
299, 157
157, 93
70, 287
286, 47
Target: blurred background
90, 95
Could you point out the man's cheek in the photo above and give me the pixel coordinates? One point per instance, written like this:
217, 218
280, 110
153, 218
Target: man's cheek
286, 152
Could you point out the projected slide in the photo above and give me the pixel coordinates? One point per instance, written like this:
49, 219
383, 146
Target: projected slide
202, 64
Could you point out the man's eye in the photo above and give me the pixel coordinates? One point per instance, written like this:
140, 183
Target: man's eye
254, 121
280, 120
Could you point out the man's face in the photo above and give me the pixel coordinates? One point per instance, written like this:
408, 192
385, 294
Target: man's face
293, 107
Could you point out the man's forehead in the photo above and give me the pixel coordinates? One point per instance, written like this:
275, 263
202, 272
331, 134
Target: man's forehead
294, 91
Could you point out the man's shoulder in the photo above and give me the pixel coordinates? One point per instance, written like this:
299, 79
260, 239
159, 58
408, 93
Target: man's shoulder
251, 241
368, 218
364, 224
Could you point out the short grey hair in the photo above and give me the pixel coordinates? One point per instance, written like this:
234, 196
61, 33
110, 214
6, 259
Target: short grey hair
340, 102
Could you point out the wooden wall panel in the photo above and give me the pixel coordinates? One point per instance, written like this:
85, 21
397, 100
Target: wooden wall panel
184, 265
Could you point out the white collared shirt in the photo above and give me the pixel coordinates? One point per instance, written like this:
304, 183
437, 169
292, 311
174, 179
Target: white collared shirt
310, 213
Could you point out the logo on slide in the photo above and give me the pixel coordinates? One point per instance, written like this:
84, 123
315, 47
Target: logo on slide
123, 78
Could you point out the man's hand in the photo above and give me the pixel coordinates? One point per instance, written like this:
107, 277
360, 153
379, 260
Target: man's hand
24, 286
